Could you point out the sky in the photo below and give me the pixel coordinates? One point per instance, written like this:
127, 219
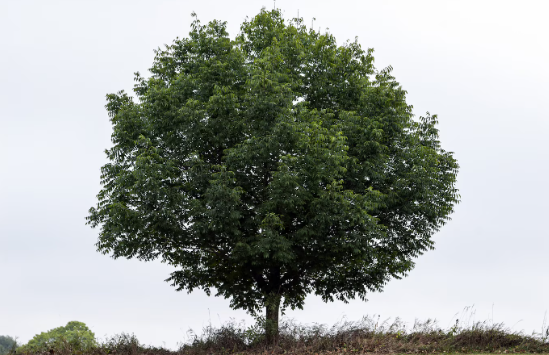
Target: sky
481, 66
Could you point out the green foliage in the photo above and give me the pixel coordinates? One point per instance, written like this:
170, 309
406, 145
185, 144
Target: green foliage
7, 344
272, 166
75, 335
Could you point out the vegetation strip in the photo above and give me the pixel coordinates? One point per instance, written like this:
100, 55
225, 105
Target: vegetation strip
365, 336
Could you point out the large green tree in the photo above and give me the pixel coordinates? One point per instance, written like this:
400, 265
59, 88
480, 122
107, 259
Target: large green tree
272, 166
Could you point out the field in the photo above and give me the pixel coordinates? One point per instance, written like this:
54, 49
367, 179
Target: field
368, 336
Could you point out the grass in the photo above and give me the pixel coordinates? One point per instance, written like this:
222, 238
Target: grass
368, 335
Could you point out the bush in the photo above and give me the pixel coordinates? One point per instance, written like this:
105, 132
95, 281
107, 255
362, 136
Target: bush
75, 335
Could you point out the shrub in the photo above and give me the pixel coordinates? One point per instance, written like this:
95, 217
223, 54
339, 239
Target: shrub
75, 335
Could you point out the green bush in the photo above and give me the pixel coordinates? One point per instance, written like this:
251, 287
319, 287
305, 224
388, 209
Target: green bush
75, 335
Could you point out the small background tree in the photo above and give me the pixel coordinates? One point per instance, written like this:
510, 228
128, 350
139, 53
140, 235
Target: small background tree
272, 166
7, 344
75, 334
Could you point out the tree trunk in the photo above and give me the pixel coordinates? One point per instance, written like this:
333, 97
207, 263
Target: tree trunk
271, 324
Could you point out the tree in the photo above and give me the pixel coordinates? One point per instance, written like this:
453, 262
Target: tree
7, 344
75, 334
272, 166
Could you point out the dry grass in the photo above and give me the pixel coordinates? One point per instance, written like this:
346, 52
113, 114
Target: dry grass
365, 336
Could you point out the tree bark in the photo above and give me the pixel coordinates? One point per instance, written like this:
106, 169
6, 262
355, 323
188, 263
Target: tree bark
271, 319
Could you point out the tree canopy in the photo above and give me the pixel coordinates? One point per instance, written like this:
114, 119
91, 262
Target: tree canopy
270, 166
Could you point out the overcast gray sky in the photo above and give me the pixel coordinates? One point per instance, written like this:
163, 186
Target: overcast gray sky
480, 65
